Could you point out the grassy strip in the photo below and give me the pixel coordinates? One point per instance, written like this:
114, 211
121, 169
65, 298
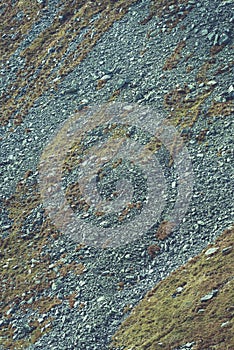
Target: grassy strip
165, 318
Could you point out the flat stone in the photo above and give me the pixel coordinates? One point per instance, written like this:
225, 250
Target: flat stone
210, 295
30, 301
227, 250
224, 39
179, 289
200, 311
211, 251
204, 32
211, 83
106, 77
200, 222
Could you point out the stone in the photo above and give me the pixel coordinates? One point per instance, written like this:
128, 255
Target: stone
201, 223
216, 39
230, 89
30, 301
211, 251
211, 36
211, 83
227, 250
210, 295
106, 77
204, 32
102, 298
179, 289
224, 39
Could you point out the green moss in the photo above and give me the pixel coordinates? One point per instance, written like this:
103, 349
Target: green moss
164, 319
184, 111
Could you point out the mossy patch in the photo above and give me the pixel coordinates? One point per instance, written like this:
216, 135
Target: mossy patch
223, 109
184, 111
183, 105
175, 313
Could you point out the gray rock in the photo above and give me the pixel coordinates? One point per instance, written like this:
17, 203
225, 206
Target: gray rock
210, 295
204, 32
224, 39
227, 250
211, 251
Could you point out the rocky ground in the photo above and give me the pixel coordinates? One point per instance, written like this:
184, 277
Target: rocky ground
61, 58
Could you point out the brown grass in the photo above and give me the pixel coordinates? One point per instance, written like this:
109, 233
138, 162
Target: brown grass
165, 319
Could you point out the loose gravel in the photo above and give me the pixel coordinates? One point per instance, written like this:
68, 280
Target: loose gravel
117, 55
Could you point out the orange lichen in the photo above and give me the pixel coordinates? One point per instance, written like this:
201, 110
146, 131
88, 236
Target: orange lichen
101, 83
216, 48
203, 72
114, 95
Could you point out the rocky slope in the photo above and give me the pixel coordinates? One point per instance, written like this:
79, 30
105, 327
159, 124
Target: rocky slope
66, 59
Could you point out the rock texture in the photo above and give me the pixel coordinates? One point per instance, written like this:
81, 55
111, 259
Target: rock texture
59, 58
